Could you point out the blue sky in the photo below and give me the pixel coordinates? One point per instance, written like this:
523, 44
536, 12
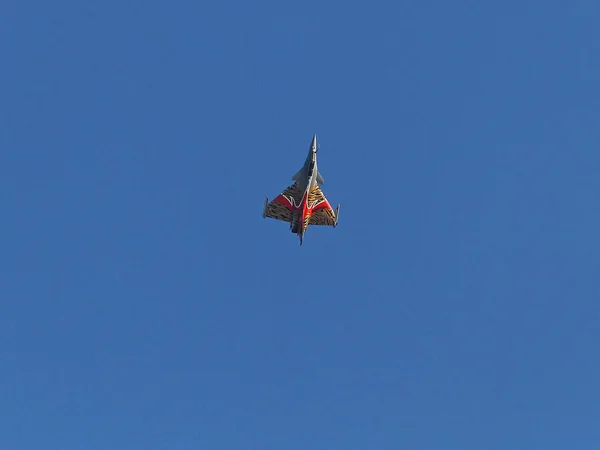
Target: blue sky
144, 302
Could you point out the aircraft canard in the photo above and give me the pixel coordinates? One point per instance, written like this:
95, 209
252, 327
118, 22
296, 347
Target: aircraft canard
303, 203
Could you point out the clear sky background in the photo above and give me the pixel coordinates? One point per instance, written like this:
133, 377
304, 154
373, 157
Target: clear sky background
144, 302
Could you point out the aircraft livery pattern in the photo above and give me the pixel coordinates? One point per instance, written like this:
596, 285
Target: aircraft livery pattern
282, 206
321, 211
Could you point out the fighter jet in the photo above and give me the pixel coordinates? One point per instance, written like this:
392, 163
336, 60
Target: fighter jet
303, 203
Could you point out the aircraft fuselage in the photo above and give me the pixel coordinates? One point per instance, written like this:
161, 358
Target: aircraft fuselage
306, 179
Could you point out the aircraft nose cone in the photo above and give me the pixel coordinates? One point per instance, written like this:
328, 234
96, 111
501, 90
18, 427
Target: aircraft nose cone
313, 145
